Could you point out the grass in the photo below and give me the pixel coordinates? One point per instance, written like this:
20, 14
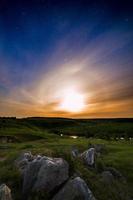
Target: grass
119, 155
43, 141
98, 128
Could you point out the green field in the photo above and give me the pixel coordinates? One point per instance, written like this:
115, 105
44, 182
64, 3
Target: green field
42, 136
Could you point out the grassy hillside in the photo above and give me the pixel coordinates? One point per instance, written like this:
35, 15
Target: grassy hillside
98, 128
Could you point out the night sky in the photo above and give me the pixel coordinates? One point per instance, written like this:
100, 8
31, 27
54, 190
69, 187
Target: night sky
66, 58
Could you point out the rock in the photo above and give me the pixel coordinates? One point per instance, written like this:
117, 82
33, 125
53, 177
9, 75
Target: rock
99, 148
111, 174
89, 157
30, 176
53, 172
75, 189
5, 192
115, 173
23, 161
2, 159
107, 177
7, 139
74, 152
44, 174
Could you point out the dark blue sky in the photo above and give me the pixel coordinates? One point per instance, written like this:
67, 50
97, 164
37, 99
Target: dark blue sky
37, 37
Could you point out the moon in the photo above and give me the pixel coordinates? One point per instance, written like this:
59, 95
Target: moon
72, 101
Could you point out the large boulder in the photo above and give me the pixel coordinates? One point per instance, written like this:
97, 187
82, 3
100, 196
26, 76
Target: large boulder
89, 157
75, 189
5, 192
53, 172
44, 174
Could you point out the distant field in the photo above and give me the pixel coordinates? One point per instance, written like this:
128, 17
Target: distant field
98, 128
42, 136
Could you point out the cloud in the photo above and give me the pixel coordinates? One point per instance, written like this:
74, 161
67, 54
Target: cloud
97, 68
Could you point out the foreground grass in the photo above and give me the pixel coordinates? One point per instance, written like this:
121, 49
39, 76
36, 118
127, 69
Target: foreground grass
118, 155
